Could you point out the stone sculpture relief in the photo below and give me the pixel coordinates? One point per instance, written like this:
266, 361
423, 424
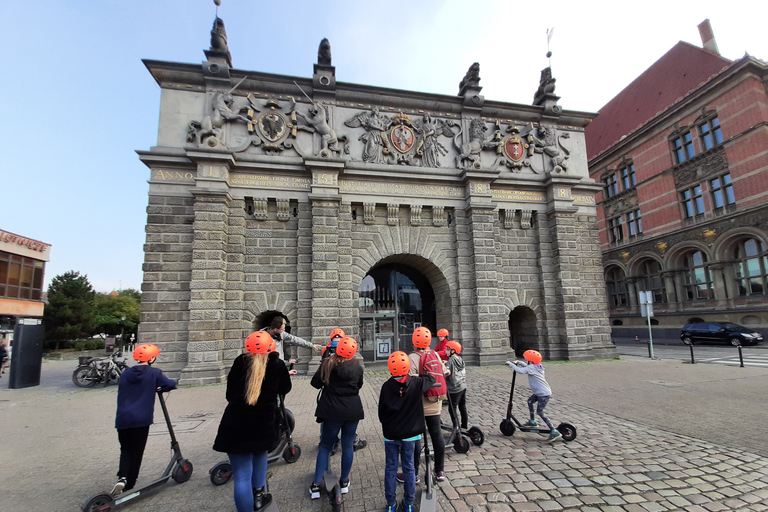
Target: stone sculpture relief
546, 86
546, 142
473, 145
375, 144
317, 121
222, 110
430, 149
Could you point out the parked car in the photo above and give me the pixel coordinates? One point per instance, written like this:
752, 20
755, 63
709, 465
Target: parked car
719, 332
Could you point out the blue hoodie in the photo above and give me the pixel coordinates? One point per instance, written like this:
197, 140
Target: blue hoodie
136, 395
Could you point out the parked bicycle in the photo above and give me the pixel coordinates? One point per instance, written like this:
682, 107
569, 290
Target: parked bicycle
99, 370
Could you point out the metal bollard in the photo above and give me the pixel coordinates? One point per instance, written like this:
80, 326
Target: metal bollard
741, 357
691, 347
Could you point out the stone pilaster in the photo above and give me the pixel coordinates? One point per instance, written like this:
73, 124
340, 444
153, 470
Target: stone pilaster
208, 284
481, 306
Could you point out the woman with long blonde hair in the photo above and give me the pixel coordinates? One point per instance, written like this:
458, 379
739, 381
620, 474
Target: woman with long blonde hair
250, 427
339, 409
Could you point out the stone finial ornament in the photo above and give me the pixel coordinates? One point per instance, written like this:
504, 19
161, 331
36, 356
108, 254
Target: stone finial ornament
471, 79
324, 53
546, 86
219, 48
219, 36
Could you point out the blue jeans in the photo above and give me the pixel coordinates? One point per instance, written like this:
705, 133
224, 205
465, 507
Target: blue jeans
329, 434
405, 450
249, 471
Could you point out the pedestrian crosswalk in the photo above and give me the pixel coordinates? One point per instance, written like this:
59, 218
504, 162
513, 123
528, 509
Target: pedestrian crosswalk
751, 360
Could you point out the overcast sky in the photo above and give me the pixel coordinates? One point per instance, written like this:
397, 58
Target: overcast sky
77, 100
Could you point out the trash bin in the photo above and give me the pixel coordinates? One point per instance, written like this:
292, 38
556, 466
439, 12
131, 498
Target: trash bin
27, 360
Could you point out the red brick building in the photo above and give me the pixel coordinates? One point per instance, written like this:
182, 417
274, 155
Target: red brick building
682, 153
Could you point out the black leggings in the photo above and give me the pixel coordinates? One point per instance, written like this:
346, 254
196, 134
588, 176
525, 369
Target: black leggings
438, 445
132, 444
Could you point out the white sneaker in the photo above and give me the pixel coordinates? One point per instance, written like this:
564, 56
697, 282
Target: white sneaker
118, 487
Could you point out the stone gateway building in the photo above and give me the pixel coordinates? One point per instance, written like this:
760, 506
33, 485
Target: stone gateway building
370, 209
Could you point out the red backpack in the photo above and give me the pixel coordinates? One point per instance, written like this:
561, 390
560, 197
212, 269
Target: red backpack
431, 364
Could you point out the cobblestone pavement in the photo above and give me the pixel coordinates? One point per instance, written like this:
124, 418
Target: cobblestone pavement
652, 436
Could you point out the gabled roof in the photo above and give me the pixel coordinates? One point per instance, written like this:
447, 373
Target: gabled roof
681, 70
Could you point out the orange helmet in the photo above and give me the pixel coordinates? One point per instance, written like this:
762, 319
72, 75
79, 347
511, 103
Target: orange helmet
532, 356
259, 342
337, 332
347, 348
443, 333
273, 346
454, 345
144, 353
422, 337
398, 364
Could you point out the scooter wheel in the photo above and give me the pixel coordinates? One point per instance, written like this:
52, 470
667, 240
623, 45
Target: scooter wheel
476, 435
220, 473
98, 503
507, 427
292, 453
461, 444
182, 471
567, 430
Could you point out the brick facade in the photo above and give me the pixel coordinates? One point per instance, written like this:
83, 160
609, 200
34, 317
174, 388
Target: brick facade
695, 258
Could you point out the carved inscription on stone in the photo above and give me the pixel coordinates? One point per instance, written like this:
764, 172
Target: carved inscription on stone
517, 195
265, 181
399, 189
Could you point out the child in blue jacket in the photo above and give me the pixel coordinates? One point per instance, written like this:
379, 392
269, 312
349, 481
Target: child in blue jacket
135, 411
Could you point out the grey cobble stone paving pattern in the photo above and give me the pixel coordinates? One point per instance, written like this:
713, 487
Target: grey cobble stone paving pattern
60, 447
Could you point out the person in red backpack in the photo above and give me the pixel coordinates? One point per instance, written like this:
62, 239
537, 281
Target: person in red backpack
426, 362
442, 344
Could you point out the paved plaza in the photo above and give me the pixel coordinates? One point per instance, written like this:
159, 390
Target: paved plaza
653, 435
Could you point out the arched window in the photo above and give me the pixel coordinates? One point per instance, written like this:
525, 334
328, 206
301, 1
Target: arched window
750, 267
697, 279
616, 284
649, 280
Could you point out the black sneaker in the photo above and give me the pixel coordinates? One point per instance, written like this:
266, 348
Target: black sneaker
314, 491
406, 508
359, 445
344, 486
118, 487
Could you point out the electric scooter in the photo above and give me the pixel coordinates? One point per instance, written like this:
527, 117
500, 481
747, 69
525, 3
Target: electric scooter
179, 468
507, 425
459, 435
286, 448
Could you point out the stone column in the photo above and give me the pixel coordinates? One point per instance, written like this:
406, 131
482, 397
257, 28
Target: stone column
632, 293
718, 284
669, 288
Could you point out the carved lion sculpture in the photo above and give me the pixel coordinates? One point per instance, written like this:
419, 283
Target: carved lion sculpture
471, 149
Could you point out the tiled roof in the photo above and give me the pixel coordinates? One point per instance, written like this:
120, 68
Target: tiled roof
682, 69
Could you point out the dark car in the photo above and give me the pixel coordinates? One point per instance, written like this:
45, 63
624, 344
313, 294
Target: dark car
719, 332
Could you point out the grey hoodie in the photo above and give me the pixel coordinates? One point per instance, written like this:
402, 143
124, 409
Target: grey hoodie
536, 380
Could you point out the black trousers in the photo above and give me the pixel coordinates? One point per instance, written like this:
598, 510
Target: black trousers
132, 444
438, 445
459, 400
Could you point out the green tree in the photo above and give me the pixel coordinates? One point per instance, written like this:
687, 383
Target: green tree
109, 310
69, 312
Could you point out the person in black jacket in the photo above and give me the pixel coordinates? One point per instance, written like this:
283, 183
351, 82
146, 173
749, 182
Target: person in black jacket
401, 413
250, 426
135, 412
339, 408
